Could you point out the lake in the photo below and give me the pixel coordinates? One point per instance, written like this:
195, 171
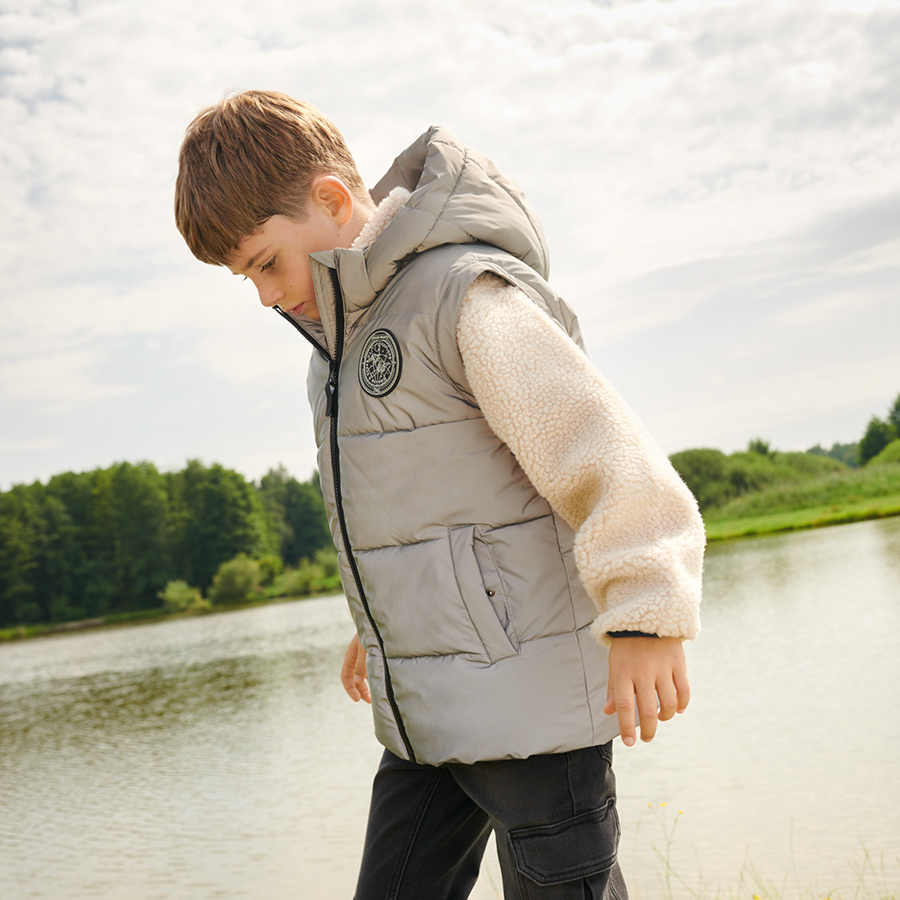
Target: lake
218, 757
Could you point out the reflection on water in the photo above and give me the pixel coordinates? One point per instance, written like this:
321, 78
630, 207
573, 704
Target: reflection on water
786, 761
196, 758
218, 756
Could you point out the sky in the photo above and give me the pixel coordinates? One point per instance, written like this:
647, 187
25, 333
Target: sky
718, 181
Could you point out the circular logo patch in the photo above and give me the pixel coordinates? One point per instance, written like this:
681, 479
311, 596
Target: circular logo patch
379, 363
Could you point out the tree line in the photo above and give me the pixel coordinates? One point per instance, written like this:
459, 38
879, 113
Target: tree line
111, 540
716, 478
130, 538
878, 434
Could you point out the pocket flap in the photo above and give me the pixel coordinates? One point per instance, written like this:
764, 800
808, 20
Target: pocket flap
579, 847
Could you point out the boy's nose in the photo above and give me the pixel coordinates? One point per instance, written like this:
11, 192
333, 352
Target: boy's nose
270, 297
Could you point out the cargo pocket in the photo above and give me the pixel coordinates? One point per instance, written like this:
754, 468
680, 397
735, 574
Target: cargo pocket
577, 851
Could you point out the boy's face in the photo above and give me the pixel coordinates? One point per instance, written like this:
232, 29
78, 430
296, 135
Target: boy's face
276, 259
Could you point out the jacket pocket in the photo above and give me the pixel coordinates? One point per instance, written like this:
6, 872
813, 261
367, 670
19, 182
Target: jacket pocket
494, 586
582, 847
474, 593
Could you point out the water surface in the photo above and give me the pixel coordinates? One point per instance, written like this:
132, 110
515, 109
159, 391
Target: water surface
218, 757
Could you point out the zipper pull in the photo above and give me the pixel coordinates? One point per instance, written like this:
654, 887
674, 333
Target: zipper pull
331, 390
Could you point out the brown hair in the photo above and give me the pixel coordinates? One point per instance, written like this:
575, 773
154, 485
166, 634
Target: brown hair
251, 156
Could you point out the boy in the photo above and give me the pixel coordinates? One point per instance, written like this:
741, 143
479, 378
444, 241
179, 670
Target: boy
488, 494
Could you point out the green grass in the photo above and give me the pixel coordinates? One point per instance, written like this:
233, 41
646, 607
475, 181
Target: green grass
890, 454
800, 519
834, 499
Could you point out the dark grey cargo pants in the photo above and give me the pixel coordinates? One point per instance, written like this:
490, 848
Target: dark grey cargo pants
554, 817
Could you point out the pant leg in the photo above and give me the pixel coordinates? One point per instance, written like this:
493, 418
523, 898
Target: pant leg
557, 828
556, 823
425, 837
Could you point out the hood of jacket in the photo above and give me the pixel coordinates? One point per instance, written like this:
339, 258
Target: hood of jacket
457, 196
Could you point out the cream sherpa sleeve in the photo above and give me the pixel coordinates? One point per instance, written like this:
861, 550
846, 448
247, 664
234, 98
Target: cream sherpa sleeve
639, 537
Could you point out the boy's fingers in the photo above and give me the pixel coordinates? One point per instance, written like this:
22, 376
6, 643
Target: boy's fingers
648, 712
351, 688
362, 686
683, 687
620, 700
649, 674
353, 672
361, 679
668, 701
610, 706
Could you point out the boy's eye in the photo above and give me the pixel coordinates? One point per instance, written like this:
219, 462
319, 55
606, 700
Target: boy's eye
268, 265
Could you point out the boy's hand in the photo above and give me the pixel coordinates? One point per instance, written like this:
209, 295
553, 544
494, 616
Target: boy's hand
353, 672
654, 671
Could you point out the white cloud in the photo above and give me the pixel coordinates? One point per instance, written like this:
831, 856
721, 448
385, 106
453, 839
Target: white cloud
836, 306
29, 446
59, 381
713, 175
727, 416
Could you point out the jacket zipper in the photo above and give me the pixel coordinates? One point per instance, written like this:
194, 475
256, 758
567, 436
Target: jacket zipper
331, 411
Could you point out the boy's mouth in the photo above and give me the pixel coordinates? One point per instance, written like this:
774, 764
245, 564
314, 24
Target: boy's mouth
302, 309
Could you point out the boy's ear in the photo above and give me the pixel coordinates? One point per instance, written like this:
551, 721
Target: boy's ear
333, 197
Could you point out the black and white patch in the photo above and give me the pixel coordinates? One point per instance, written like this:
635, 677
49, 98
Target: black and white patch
379, 363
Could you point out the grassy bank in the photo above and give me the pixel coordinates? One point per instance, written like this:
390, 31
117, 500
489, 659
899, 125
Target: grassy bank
835, 499
140, 617
797, 520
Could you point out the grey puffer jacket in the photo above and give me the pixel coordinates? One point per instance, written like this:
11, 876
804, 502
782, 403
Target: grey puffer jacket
460, 576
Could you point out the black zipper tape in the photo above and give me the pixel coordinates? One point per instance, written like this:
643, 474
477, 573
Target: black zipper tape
331, 410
